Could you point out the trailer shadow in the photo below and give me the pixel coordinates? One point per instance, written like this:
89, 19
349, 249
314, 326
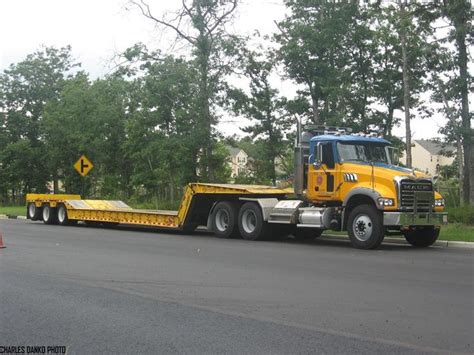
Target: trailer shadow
340, 242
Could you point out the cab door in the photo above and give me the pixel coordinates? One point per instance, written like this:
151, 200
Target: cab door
325, 173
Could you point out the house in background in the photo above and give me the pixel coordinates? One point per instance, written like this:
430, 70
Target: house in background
238, 162
428, 155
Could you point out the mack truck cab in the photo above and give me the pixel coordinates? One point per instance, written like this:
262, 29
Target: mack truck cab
351, 182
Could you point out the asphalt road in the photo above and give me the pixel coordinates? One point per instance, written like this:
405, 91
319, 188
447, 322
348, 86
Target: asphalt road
144, 291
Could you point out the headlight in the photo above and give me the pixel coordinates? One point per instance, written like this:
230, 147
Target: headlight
439, 202
386, 201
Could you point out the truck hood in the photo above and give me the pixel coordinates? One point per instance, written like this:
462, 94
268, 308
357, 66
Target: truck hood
391, 171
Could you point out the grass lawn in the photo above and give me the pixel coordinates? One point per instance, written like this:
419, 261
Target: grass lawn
457, 232
13, 210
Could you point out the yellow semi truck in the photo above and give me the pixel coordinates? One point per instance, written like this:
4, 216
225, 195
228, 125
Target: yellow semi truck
343, 182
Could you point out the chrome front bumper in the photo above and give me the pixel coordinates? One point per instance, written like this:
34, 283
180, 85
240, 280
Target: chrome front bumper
414, 218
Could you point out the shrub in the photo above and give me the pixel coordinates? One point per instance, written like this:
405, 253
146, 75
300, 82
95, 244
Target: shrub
464, 214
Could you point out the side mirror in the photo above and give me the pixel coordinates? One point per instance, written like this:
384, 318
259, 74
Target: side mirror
318, 161
394, 155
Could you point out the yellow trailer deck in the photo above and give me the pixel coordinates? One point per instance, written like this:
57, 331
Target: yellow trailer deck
195, 208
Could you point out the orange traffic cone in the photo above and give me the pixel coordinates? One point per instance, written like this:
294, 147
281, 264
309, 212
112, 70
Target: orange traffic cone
2, 246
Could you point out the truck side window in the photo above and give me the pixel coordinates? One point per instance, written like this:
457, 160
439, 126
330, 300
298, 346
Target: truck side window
328, 155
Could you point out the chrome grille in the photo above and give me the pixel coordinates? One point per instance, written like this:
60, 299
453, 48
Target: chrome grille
416, 195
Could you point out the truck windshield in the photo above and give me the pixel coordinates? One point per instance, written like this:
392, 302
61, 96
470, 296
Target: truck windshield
363, 152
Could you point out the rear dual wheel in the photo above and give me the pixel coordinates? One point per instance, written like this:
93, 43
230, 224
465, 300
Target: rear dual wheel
223, 220
49, 214
227, 221
58, 215
33, 212
63, 218
251, 223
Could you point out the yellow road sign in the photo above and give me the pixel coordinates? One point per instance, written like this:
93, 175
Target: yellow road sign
83, 166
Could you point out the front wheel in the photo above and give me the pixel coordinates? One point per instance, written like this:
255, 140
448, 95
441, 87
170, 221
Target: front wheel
365, 227
422, 237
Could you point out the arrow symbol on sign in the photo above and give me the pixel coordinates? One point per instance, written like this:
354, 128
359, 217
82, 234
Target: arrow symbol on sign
83, 165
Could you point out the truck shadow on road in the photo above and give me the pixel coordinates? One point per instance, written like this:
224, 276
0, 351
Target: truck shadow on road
324, 241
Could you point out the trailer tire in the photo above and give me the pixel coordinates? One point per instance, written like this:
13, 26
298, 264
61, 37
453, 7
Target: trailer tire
307, 233
365, 227
33, 212
63, 218
49, 214
251, 223
223, 220
422, 237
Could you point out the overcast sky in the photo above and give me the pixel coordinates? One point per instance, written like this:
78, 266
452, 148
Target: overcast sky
97, 29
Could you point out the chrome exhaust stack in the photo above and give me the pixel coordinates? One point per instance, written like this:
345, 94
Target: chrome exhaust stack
299, 162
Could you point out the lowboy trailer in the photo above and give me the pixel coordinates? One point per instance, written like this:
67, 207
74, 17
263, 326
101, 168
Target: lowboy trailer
197, 206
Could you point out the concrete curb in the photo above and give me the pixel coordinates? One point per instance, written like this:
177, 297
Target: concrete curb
9, 216
439, 243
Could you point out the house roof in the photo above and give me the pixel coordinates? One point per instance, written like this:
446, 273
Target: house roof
233, 151
436, 148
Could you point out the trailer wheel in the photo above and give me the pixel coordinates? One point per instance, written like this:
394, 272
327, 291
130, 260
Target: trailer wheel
365, 227
422, 237
305, 233
63, 218
223, 220
33, 212
251, 223
49, 214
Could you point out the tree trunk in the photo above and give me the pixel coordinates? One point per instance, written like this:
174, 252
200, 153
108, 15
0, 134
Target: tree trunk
389, 122
471, 195
459, 156
55, 184
314, 103
205, 119
406, 82
465, 116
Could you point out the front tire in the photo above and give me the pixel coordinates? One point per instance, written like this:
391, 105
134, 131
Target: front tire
223, 220
33, 212
365, 227
422, 237
49, 215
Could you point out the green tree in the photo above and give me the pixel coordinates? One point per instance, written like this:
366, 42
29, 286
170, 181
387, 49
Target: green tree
264, 106
163, 138
451, 80
459, 12
403, 55
25, 87
312, 42
201, 23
